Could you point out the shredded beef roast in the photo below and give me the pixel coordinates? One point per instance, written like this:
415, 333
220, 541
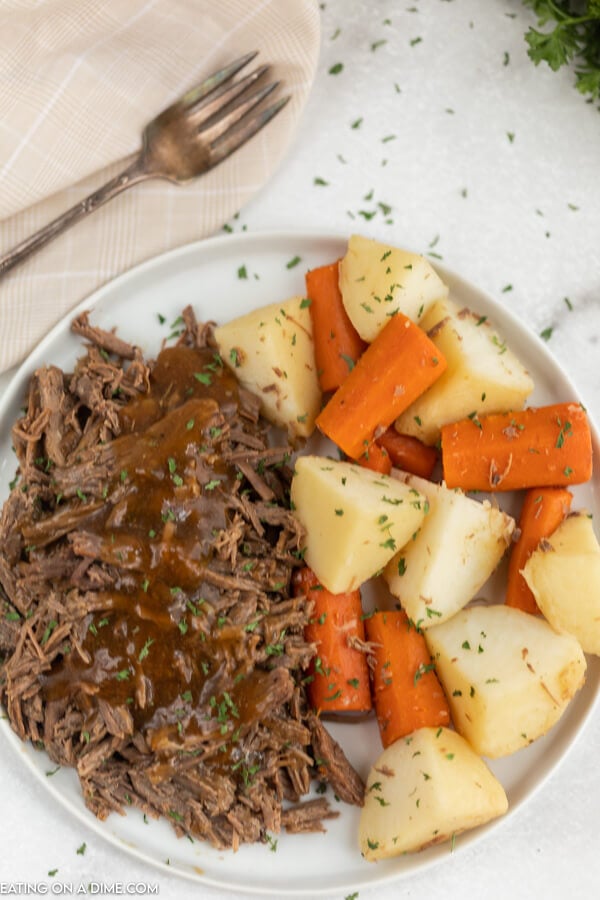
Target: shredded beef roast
148, 635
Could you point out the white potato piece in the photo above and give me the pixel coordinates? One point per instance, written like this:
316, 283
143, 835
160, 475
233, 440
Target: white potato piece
271, 352
377, 280
456, 550
354, 519
508, 675
482, 374
424, 789
563, 574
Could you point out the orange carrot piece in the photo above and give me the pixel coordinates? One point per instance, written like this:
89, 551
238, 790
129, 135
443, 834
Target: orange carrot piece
337, 343
400, 364
535, 447
377, 459
406, 690
339, 673
542, 512
408, 453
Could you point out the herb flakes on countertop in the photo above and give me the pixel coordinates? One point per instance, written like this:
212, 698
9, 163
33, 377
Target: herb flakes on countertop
229, 227
380, 207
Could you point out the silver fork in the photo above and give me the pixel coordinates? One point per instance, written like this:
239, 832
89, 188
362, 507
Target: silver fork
197, 132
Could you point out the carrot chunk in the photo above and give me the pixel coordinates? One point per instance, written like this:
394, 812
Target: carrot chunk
377, 459
406, 690
400, 364
339, 676
534, 447
337, 343
542, 512
408, 453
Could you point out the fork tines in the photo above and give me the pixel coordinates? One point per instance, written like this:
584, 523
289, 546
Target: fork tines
220, 107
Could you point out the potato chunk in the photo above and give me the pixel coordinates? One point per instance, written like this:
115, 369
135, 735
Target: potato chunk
564, 576
482, 376
377, 280
271, 351
355, 519
424, 789
461, 536
508, 675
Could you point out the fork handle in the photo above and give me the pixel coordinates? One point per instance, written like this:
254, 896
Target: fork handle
131, 174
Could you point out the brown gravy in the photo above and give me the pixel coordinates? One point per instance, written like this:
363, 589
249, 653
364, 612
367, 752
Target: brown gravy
158, 646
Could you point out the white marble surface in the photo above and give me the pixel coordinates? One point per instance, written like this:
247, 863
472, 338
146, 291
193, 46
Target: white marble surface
492, 165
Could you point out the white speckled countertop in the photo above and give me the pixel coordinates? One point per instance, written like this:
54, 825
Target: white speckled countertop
428, 126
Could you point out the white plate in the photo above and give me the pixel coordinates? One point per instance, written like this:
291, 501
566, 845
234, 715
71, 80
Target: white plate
207, 276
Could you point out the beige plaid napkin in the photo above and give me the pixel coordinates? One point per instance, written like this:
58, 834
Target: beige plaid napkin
78, 81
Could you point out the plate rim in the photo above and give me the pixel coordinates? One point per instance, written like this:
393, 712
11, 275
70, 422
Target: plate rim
96, 296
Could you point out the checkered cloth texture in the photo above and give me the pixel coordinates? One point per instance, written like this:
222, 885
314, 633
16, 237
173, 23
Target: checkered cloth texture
79, 79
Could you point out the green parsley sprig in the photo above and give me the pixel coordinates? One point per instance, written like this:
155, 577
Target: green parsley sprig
573, 38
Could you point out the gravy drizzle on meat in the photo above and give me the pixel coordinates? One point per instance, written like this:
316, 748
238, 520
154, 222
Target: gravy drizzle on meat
148, 636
